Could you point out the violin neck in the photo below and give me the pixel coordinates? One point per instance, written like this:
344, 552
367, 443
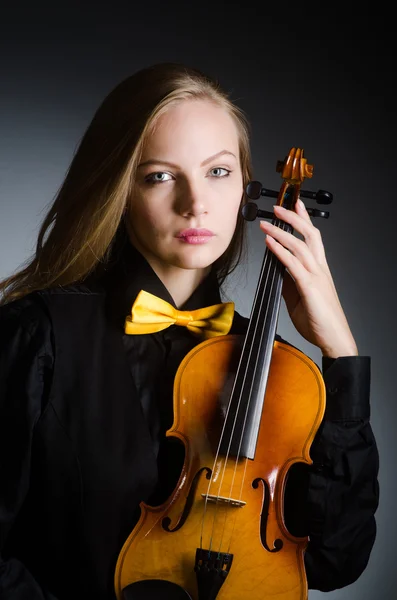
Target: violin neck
246, 402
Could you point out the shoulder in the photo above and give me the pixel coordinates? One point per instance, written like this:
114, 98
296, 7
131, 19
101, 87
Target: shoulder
90, 289
32, 312
73, 305
25, 329
27, 312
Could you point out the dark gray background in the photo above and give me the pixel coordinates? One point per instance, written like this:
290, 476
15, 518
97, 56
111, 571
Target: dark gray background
321, 82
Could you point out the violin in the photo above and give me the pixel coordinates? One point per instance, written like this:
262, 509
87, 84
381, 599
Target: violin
243, 423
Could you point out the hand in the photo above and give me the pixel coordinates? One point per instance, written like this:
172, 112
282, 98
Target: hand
308, 289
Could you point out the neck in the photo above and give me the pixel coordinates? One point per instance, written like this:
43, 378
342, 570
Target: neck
181, 283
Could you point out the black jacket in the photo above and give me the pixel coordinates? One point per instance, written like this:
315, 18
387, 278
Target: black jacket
82, 411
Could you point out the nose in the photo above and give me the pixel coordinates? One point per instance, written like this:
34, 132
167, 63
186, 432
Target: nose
192, 199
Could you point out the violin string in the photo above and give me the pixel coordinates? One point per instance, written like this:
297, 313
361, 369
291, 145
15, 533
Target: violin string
273, 261
273, 258
229, 496
224, 425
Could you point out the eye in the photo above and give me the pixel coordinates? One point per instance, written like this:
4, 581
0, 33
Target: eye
220, 172
158, 177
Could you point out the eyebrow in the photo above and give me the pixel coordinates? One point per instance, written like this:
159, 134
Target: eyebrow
154, 161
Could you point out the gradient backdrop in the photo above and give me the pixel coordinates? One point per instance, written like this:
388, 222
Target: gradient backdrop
317, 82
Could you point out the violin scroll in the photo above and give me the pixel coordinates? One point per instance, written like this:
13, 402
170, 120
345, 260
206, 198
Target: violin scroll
294, 168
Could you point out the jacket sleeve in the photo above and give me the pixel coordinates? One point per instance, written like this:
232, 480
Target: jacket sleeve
343, 491
25, 368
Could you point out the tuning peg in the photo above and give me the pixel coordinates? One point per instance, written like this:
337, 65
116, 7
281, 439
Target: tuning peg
321, 197
314, 212
255, 190
250, 212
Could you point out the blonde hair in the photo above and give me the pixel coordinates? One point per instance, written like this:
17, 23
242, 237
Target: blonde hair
79, 229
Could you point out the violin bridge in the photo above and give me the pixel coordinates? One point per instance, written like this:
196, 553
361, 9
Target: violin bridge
223, 499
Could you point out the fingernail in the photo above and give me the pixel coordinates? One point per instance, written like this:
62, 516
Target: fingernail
301, 204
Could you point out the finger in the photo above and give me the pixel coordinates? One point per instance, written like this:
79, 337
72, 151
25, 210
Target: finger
297, 270
299, 218
302, 223
300, 209
301, 266
291, 243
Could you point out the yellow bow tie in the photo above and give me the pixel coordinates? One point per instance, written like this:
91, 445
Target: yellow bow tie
150, 314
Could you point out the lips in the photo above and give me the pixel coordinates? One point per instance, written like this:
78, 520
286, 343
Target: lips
195, 236
194, 233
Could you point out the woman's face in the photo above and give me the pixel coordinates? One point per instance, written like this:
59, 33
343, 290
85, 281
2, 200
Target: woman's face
183, 209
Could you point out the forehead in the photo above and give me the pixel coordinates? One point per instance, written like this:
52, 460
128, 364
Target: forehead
197, 127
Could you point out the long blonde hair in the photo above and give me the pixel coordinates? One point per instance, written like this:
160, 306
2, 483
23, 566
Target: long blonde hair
77, 233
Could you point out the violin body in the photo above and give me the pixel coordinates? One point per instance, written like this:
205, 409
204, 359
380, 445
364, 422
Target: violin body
229, 506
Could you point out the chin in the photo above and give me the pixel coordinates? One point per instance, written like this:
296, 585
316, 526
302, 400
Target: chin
194, 262
198, 259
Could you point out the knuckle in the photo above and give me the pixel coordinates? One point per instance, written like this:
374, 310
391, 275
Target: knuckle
314, 234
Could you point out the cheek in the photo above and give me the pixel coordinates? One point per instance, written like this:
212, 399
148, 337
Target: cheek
228, 211
149, 211
142, 215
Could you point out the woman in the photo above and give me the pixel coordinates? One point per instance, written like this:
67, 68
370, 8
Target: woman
152, 202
